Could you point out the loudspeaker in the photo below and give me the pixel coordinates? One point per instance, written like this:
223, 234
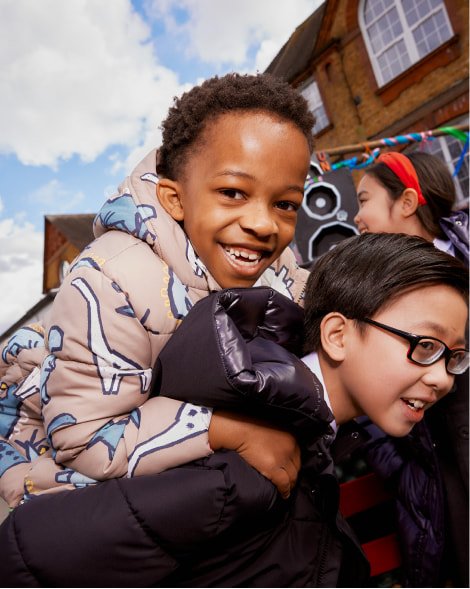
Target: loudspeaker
327, 212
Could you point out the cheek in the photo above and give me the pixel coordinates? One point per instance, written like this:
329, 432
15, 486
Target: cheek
400, 378
287, 233
200, 220
371, 213
378, 369
287, 236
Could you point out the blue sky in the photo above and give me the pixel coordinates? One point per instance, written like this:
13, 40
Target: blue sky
84, 87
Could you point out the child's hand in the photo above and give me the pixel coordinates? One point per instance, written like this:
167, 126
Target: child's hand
273, 452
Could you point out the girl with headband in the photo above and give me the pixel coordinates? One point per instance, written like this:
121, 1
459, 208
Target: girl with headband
415, 194
412, 194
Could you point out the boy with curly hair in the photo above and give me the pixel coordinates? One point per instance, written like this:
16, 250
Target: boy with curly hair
214, 207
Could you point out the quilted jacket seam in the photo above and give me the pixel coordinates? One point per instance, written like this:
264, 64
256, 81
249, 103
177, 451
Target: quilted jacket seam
155, 538
18, 546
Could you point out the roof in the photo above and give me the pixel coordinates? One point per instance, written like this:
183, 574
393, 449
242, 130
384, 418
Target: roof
30, 315
296, 54
78, 229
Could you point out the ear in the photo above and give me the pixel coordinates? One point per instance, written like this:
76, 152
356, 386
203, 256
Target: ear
408, 202
168, 193
333, 331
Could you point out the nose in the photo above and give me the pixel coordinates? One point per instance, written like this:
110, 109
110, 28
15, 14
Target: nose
357, 218
438, 378
258, 218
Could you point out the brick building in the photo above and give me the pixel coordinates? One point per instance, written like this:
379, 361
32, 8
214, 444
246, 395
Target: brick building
65, 236
373, 69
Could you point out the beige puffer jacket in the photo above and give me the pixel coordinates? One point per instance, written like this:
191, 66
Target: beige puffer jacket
24, 447
124, 297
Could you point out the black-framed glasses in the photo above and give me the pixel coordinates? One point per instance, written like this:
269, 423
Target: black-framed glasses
425, 350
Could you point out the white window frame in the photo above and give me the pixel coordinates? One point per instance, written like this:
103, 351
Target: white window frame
407, 37
444, 153
313, 107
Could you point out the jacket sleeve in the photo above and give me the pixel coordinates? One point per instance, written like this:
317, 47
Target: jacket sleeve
22, 437
131, 532
13, 463
246, 361
96, 377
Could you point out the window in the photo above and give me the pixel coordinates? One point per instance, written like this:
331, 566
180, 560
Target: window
398, 33
312, 94
449, 148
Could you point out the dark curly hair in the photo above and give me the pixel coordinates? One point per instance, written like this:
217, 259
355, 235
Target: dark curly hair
190, 113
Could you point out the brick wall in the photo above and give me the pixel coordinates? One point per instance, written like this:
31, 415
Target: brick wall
431, 93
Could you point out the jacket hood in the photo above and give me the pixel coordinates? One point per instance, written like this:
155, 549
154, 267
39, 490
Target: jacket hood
135, 209
456, 229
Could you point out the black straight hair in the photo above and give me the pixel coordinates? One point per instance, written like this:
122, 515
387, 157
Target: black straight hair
365, 273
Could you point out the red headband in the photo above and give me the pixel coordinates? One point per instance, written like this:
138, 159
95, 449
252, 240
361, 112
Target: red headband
402, 167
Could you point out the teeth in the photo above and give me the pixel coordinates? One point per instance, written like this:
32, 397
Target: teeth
240, 254
415, 404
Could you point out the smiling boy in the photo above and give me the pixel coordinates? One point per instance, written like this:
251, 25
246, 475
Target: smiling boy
391, 348
238, 197
214, 207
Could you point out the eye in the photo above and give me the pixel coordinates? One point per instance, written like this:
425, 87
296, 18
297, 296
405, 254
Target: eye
427, 350
459, 355
429, 345
287, 205
232, 193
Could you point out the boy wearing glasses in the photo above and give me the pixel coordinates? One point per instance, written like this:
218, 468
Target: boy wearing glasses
386, 332
388, 335
384, 335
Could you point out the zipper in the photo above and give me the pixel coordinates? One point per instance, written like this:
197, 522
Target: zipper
325, 544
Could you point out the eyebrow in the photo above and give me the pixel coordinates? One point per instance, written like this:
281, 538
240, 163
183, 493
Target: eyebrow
235, 173
441, 331
240, 174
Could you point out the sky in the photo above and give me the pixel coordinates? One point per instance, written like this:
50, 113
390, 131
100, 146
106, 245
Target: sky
84, 86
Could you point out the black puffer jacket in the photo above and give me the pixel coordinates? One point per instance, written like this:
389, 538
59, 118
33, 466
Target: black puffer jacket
215, 522
427, 471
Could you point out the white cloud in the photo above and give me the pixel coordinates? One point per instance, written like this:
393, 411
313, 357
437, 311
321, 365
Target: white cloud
221, 34
77, 77
224, 33
150, 136
80, 76
54, 196
21, 254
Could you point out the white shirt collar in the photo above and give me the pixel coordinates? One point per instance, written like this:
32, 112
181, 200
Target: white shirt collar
444, 245
313, 363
